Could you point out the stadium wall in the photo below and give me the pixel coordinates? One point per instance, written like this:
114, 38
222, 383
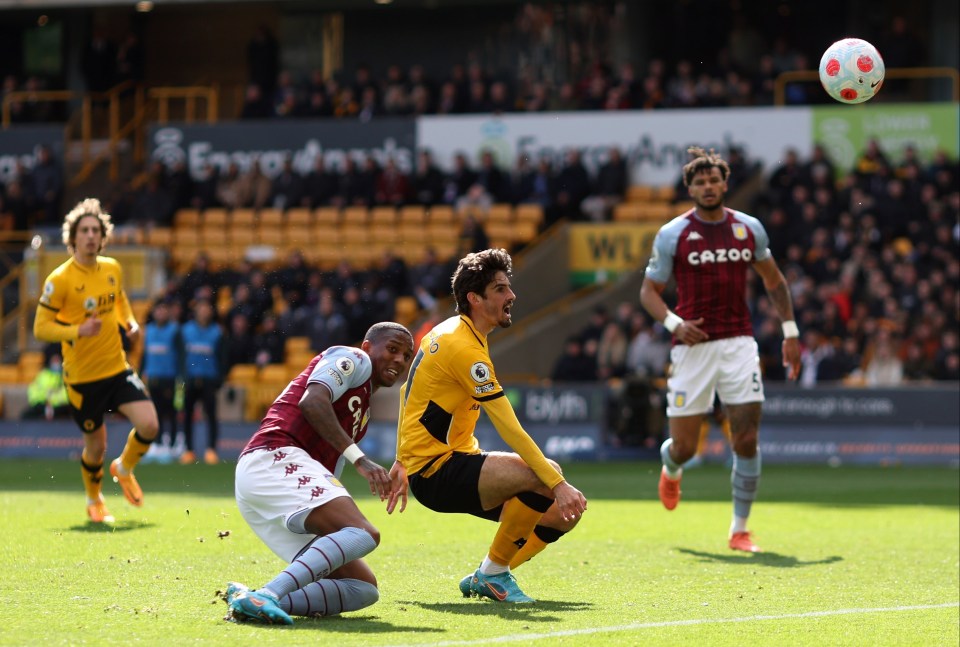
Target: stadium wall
835, 425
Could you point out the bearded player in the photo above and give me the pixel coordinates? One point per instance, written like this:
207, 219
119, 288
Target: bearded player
708, 251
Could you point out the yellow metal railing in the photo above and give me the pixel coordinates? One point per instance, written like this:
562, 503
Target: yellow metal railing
146, 103
14, 273
927, 73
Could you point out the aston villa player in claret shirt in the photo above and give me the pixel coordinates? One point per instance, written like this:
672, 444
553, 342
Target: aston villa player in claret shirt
288, 488
709, 251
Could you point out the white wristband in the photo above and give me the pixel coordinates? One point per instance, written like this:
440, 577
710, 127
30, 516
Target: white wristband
790, 330
671, 321
353, 453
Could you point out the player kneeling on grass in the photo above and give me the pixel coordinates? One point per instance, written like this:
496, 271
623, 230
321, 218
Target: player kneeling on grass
439, 456
288, 494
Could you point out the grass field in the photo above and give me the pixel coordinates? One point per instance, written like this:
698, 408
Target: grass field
855, 556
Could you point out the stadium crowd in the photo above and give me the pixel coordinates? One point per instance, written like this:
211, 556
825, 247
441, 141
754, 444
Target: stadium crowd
873, 269
543, 58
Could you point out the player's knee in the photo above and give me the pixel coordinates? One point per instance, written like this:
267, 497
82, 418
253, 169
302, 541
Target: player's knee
366, 594
745, 443
367, 535
149, 429
681, 451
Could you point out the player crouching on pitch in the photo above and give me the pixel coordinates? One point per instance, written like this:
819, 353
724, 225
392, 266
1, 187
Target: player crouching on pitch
288, 493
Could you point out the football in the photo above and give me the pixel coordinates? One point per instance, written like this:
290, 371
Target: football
851, 70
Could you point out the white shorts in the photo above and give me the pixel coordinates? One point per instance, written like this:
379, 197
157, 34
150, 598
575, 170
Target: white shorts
728, 367
273, 485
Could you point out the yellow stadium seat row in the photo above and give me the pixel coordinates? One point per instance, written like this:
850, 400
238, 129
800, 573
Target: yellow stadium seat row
648, 193
220, 218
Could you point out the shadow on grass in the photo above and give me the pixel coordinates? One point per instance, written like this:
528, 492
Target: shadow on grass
773, 560
540, 611
124, 525
349, 623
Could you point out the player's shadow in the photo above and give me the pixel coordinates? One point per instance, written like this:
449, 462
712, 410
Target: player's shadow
540, 611
125, 525
773, 560
353, 624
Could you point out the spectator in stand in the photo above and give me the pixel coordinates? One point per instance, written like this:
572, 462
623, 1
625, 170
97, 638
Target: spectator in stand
392, 188
99, 62
263, 60
427, 180
255, 104
491, 178
573, 185
14, 202
286, 190
500, 101
254, 187
242, 305
476, 201
612, 352
269, 342
883, 367
448, 103
197, 280
356, 313
327, 326
130, 59
459, 180
153, 206
178, 184
320, 185
350, 185
205, 189
285, 101
611, 187
47, 178
229, 188
573, 365
430, 276
238, 343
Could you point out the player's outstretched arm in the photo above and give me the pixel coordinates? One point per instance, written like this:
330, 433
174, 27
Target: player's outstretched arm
398, 487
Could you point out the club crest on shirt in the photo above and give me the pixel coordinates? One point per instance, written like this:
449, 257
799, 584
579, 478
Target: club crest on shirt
679, 399
739, 231
480, 373
47, 293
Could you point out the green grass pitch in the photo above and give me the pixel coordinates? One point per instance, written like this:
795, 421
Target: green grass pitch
855, 556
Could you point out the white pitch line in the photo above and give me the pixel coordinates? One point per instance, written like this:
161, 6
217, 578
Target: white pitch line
677, 623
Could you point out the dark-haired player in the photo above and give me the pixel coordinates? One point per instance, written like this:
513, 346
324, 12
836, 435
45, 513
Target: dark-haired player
451, 378
83, 306
708, 251
288, 491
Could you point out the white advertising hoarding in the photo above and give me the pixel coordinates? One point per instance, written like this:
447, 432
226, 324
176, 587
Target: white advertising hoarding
655, 143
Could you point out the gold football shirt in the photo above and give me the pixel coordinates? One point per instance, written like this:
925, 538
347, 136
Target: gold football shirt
73, 293
450, 378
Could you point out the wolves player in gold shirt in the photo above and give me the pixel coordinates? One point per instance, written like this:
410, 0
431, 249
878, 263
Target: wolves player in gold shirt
82, 306
450, 378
